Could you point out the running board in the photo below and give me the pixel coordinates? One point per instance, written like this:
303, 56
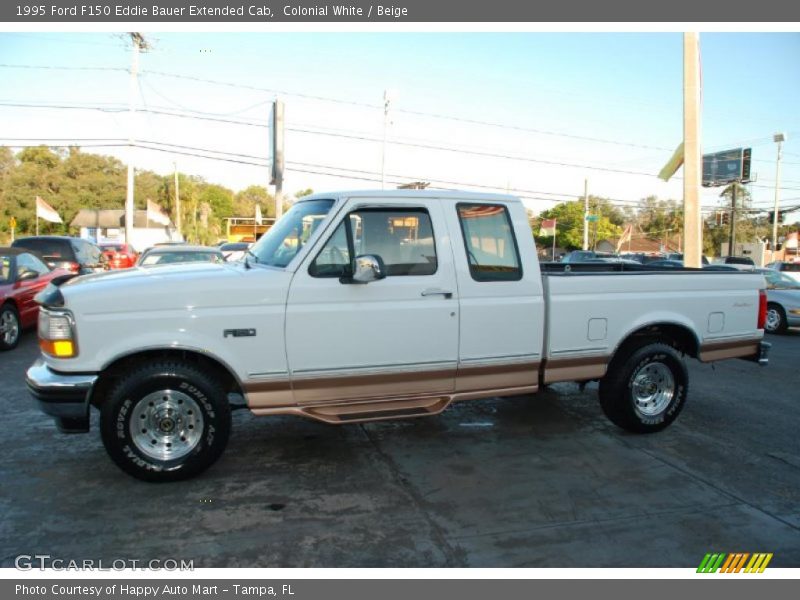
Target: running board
376, 411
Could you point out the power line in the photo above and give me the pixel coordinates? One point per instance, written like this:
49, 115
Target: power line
343, 172
63, 68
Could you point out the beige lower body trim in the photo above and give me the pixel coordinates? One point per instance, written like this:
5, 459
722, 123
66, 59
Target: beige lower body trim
711, 351
575, 369
359, 398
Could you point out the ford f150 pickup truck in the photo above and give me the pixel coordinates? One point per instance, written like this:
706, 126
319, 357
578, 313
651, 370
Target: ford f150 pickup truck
363, 306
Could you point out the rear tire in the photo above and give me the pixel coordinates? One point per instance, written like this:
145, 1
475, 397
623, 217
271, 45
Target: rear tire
10, 327
776, 319
165, 421
645, 389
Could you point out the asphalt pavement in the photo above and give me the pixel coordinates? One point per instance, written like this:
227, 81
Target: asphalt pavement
530, 481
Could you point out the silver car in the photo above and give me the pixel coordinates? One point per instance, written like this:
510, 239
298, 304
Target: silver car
783, 301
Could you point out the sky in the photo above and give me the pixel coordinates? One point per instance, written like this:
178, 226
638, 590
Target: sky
565, 107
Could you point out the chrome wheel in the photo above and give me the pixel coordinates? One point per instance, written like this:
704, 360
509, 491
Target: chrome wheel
773, 321
9, 327
653, 388
166, 425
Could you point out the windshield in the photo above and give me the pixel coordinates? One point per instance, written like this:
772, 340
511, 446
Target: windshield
285, 239
776, 279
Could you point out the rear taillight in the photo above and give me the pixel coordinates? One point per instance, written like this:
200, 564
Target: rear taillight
73, 267
762, 309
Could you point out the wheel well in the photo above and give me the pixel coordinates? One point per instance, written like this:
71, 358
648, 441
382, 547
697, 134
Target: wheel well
679, 337
126, 363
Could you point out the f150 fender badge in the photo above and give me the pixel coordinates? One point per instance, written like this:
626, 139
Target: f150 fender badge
239, 333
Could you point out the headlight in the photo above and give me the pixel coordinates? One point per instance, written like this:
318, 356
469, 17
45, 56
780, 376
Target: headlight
57, 334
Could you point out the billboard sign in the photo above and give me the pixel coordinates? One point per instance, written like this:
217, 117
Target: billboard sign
722, 168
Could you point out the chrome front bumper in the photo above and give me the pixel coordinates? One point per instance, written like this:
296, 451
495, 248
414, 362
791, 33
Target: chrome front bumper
64, 396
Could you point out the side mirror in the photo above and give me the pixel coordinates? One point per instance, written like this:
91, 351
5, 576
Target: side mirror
366, 268
27, 275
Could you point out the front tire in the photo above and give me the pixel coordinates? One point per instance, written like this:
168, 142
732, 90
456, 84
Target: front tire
165, 421
776, 319
645, 390
10, 327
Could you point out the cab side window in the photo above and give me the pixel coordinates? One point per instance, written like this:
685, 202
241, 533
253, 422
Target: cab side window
489, 242
403, 238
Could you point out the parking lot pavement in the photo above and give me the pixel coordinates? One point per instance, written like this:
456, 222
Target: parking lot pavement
539, 481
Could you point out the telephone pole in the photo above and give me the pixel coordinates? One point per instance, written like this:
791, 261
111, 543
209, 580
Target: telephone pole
693, 160
139, 44
387, 98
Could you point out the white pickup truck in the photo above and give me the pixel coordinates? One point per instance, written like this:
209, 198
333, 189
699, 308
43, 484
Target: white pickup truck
374, 305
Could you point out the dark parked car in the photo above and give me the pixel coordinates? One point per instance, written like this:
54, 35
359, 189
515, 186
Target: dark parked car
173, 254
75, 255
22, 275
678, 264
743, 263
577, 256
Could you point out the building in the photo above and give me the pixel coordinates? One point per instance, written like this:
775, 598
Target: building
101, 226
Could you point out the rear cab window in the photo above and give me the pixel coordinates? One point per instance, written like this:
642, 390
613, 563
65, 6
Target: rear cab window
489, 242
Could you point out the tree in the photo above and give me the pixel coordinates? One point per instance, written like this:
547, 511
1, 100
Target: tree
569, 222
244, 202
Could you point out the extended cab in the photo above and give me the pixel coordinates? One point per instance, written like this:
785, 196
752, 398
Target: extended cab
374, 305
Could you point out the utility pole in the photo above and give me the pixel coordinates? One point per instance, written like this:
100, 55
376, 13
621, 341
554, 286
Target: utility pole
177, 199
139, 43
278, 156
693, 159
732, 241
585, 214
778, 138
387, 98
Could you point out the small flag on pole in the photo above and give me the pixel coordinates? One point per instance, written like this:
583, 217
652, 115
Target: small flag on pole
46, 212
625, 237
547, 227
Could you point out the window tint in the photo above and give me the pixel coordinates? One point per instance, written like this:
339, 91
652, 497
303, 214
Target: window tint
793, 267
49, 248
28, 262
402, 238
489, 241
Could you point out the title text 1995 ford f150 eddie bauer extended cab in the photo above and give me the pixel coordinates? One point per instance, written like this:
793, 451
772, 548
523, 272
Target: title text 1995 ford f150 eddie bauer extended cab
374, 305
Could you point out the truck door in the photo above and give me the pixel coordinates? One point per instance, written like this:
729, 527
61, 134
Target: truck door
501, 297
395, 337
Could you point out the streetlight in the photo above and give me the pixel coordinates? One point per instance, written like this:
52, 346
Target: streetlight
778, 138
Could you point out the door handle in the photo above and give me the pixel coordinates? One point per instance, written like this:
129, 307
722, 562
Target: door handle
437, 292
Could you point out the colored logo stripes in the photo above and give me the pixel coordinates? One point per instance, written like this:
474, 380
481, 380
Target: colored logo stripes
735, 563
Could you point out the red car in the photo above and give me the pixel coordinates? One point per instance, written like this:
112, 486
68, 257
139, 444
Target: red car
119, 256
23, 274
